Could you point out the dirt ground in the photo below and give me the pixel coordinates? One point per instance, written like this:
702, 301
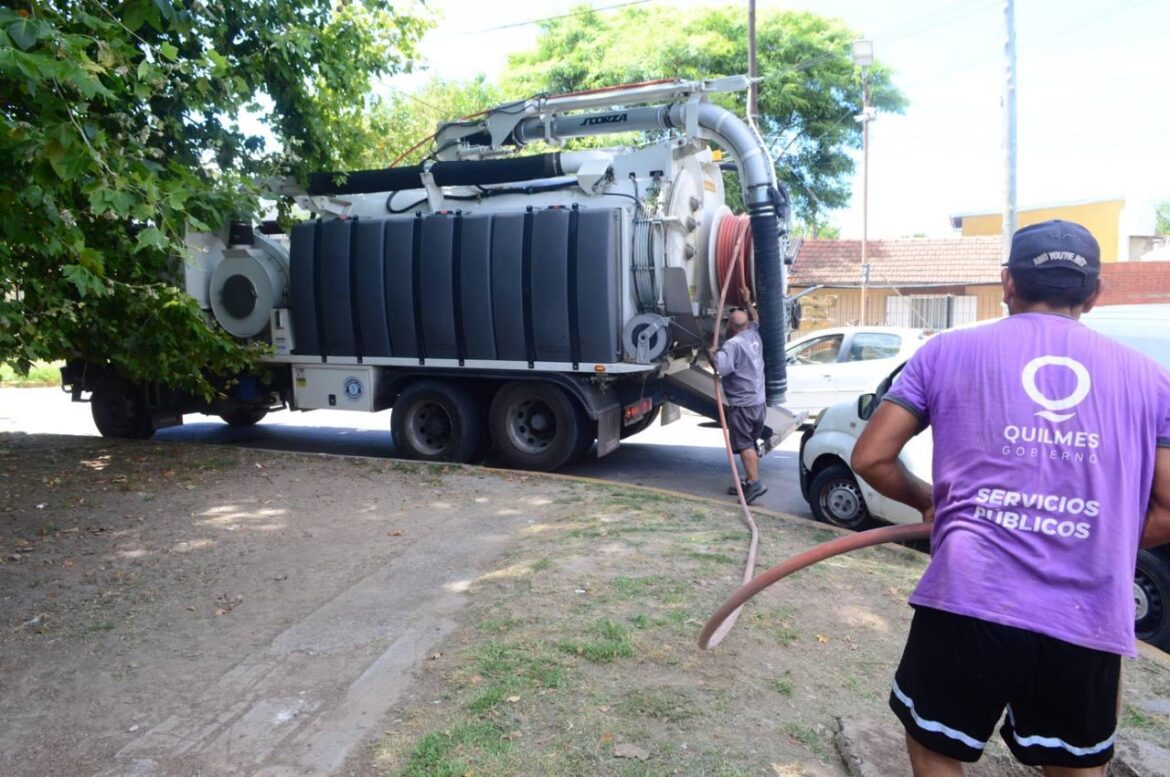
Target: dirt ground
175, 610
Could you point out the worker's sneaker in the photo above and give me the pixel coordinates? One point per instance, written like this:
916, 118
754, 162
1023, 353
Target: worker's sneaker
753, 490
731, 490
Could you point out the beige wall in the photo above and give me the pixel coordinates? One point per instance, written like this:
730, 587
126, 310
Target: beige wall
842, 307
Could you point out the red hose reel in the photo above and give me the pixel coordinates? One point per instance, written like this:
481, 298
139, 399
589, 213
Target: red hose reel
735, 257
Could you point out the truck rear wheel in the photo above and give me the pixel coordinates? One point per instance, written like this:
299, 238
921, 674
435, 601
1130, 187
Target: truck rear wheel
537, 426
119, 409
438, 421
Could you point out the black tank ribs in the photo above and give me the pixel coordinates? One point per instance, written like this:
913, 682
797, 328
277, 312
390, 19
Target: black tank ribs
528, 286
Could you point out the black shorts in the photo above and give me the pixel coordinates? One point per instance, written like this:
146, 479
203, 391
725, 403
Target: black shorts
959, 673
746, 425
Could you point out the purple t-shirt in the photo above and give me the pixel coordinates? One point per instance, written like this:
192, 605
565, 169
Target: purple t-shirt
1045, 435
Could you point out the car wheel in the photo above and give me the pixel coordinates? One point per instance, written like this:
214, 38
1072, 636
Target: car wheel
434, 420
119, 409
1151, 593
836, 498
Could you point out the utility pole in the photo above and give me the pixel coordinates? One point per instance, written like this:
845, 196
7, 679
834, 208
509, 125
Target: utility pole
753, 108
863, 58
1009, 129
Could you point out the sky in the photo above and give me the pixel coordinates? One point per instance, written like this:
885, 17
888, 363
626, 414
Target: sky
1093, 99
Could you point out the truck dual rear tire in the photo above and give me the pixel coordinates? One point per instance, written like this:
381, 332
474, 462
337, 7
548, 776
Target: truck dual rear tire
119, 409
436, 420
537, 426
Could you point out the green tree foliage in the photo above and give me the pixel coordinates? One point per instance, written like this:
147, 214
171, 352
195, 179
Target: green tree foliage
1162, 217
810, 91
124, 123
407, 119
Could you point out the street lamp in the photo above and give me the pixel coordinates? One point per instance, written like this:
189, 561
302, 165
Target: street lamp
863, 58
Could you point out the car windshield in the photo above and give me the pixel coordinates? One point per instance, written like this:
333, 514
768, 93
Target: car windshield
821, 350
874, 345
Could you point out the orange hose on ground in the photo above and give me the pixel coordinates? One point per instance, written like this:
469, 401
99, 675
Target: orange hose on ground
735, 254
713, 631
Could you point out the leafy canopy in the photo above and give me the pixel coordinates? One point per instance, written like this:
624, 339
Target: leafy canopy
124, 123
808, 98
409, 119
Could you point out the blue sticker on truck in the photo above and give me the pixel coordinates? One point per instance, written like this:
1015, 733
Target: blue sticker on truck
353, 388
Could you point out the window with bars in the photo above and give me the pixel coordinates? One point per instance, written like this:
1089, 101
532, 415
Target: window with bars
931, 311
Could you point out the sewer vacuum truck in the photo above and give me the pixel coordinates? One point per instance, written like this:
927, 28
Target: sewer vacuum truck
534, 302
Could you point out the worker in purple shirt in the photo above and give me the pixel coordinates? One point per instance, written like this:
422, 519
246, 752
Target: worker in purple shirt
1051, 469
740, 364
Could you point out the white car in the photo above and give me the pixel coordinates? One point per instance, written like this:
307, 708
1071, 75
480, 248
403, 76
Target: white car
832, 365
838, 497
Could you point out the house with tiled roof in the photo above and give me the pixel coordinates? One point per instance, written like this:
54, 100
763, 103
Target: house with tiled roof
933, 284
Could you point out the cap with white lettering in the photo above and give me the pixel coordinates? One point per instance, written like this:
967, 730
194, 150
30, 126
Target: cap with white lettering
1040, 248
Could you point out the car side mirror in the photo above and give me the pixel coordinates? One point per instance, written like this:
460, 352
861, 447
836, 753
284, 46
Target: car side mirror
866, 404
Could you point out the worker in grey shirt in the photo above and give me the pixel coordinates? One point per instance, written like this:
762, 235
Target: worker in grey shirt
740, 364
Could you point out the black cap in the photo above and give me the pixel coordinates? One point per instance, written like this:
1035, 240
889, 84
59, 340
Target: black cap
1039, 250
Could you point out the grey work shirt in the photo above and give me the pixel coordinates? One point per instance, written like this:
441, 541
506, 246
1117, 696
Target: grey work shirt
740, 364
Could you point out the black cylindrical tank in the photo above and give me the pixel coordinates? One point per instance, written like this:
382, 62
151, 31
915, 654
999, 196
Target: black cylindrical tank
528, 286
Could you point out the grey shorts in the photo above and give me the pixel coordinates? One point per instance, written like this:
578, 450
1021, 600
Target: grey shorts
746, 425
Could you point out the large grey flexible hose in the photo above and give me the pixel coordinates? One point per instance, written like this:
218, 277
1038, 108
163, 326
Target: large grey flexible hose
768, 207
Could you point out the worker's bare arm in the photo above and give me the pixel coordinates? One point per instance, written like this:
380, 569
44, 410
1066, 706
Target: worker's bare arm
746, 294
875, 458
1157, 530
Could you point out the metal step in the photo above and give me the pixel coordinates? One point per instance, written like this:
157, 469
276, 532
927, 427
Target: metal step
694, 389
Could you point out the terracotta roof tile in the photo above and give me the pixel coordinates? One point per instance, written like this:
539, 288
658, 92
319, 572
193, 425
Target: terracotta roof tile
911, 262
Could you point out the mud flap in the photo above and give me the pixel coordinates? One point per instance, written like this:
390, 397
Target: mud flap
669, 414
609, 429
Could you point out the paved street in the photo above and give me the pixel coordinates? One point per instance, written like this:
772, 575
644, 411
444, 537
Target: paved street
685, 456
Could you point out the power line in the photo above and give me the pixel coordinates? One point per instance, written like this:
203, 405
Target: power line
947, 15
409, 96
583, 12
910, 28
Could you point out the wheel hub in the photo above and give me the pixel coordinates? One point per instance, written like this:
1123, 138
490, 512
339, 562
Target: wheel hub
531, 425
1141, 602
540, 423
1149, 604
843, 501
429, 428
